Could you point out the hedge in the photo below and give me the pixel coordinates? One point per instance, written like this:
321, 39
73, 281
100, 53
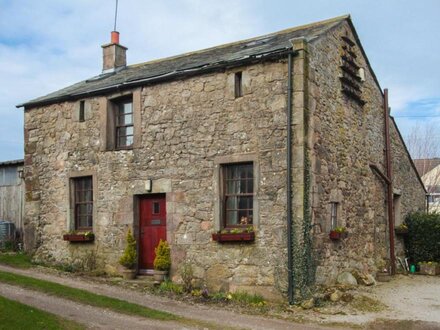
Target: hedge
423, 236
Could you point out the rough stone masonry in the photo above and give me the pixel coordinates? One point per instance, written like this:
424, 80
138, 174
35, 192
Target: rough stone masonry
188, 127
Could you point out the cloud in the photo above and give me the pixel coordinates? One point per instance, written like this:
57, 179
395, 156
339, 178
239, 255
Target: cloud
47, 45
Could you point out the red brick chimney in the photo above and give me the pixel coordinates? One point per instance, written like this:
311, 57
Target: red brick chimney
114, 54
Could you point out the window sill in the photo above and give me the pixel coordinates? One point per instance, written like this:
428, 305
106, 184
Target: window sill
229, 237
79, 237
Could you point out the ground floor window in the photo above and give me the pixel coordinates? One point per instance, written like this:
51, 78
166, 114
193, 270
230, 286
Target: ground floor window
238, 194
83, 202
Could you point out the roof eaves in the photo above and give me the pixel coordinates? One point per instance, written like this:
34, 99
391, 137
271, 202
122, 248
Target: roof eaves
176, 74
12, 162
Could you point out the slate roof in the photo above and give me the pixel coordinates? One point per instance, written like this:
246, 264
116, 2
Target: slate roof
228, 55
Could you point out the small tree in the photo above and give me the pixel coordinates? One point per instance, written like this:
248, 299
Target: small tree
162, 261
128, 259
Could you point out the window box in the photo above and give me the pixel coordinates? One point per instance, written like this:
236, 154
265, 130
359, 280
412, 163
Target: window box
336, 235
234, 237
79, 237
401, 231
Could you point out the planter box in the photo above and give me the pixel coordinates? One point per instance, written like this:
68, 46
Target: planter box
241, 237
383, 277
401, 231
336, 236
78, 238
433, 269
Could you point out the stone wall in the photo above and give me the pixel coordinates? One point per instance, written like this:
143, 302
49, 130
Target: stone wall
409, 195
348, 137
185, 130
186, 126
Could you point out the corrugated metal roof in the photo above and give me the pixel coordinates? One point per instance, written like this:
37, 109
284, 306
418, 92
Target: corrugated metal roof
189, 63
12, 162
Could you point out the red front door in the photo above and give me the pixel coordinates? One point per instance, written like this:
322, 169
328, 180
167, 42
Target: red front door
153, 227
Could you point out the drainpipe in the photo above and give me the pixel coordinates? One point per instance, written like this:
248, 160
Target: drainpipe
290, 281
390, 183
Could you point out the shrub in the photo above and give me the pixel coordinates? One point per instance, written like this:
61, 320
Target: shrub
128, 259
187, 274
168, 286
162, 261
423, 236
245, 298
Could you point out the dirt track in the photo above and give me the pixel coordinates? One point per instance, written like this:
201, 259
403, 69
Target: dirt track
413, 301
213, 315
92, 317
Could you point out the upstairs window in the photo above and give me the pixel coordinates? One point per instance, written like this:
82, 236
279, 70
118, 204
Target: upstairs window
238, 194
81, 115
333, 215
124, 123
238, 84
83, 202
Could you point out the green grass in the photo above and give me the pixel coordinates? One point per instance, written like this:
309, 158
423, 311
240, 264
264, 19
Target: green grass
14, 315
18, 260
86, 297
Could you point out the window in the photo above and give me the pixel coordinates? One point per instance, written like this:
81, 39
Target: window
83, 202
81, 114
124, 123
238, 194
333, 215
238, 85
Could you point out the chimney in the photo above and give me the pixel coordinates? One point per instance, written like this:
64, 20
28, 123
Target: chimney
113, 54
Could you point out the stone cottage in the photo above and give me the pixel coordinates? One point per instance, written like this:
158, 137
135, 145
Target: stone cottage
269, 143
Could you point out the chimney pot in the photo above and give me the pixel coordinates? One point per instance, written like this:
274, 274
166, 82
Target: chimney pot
115, 37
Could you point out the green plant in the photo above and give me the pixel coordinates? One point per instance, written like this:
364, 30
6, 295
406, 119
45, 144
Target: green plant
162, 261
248, 229
402, 226
245, 298
219, 296
128, 259
168, 286
187, 274
339, 230
423, 236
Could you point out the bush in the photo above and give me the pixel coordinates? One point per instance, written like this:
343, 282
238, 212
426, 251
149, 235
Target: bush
168, 286
245, 298
128, 259
162, 261
187, 274
423, 236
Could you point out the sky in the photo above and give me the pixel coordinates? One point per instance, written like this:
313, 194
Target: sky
46, 45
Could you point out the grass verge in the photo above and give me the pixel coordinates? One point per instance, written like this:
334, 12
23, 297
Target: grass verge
18, 260
15, 315
86, 297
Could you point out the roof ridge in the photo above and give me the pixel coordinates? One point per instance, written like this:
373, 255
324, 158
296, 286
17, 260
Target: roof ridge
284, 31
